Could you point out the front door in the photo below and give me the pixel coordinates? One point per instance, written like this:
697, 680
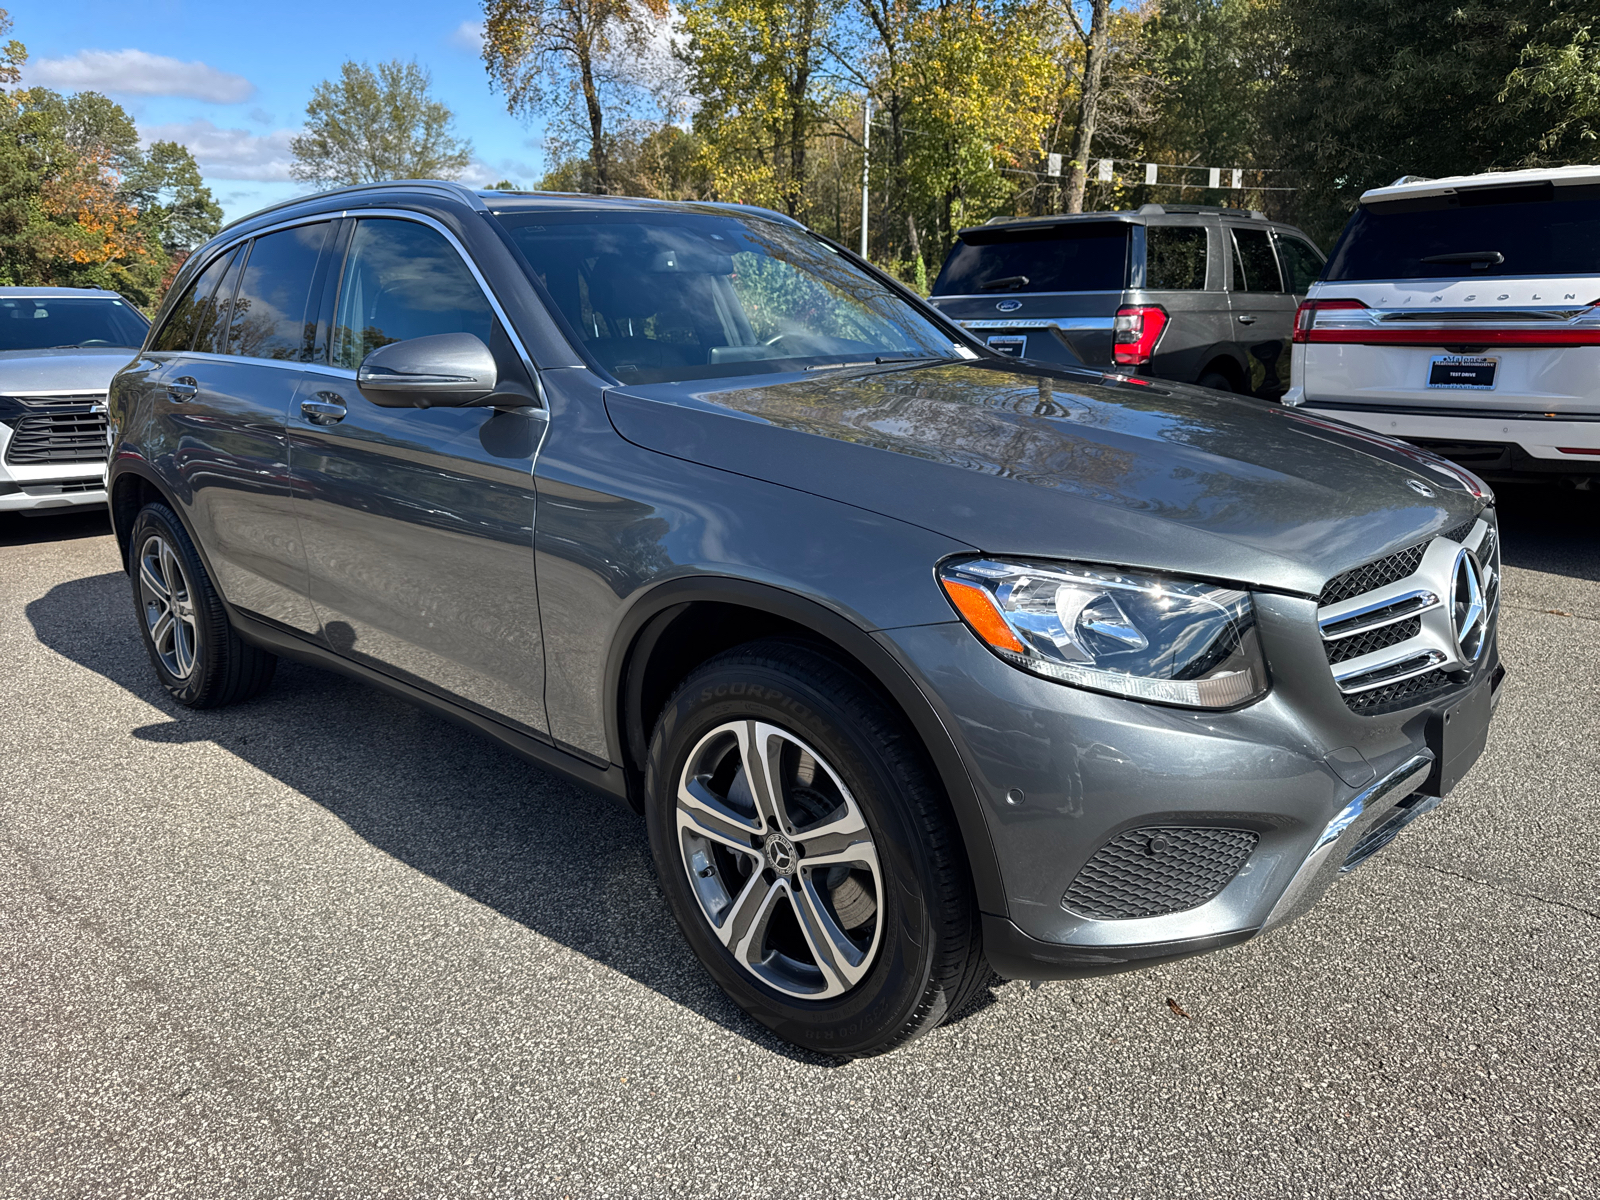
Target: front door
418, 522
1263, 310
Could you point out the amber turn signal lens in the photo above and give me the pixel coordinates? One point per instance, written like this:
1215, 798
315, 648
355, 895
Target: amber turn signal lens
974, 604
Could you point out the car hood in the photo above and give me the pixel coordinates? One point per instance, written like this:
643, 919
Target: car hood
1077, 465
40, 372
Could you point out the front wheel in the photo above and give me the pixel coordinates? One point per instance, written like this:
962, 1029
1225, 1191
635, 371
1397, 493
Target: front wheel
808, 854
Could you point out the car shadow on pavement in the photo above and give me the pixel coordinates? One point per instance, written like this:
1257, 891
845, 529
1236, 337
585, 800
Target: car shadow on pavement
19, 530
569, 865
1546, 527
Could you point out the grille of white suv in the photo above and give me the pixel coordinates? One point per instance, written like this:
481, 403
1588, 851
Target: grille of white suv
58, 438
1389, 627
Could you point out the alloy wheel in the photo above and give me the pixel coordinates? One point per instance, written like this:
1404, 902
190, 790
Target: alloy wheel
168, 606
780, 859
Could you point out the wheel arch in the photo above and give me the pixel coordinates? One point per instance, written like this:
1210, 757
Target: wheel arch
132, 487
682, 623
1228, 364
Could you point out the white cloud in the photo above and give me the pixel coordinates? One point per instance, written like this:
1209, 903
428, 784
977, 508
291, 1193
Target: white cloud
468, 36
138, 73
228, 153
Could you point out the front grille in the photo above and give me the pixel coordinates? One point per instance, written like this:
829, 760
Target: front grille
1372, 576
59, 438
1157, 870
66, 401
1417, 690
1374, 639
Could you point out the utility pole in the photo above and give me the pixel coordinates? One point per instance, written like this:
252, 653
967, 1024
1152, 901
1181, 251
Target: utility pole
866, 163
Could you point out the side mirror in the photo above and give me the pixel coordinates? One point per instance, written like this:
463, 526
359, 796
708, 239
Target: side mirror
442, 369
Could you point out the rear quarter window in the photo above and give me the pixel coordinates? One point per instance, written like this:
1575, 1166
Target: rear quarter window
1175, 258
1085, 256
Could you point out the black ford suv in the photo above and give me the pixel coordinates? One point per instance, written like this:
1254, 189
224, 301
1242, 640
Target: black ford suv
917, 659
1194, 294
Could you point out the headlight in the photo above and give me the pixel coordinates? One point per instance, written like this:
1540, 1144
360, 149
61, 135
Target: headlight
1173, 641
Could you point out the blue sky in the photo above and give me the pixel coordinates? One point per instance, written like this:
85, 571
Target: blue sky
243, 73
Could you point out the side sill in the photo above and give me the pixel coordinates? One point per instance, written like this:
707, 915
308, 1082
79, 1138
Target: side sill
607, 779
1015, 955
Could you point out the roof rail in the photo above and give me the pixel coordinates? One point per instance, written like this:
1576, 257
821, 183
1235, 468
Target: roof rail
456, 191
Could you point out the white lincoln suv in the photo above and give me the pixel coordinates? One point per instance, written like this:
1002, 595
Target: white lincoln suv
1463, 314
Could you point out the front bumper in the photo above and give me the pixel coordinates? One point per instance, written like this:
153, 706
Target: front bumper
1062, 772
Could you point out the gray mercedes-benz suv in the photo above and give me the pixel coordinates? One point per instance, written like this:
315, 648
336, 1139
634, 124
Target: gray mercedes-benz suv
917, 660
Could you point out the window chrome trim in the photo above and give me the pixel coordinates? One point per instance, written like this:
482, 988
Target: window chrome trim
356, 214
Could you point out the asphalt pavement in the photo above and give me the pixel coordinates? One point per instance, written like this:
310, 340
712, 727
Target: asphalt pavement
324, 944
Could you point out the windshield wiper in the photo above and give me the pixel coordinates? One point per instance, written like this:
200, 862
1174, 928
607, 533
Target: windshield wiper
1010, 281
879, 362
1480, 259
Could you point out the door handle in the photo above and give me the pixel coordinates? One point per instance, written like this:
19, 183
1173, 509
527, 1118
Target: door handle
182, 389
1246, 319
327, 408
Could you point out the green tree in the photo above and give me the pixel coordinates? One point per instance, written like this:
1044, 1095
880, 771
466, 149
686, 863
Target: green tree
757, 71
562, 55
371, 125
1556, 83
166, 187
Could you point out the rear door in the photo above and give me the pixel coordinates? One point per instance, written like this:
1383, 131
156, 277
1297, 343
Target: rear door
418, 522
1263, 308
226, 398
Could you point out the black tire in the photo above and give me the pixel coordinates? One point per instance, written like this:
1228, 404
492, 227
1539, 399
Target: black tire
1216, 381
221, 667
928, 960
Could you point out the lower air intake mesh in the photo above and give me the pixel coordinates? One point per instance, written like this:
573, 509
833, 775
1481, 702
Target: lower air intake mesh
1157, 870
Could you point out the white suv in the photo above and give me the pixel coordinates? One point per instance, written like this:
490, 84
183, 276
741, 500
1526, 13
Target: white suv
59, 348
1463, 314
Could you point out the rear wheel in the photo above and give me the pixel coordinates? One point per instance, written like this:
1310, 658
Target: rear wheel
1216, 381
808, 853
198, 657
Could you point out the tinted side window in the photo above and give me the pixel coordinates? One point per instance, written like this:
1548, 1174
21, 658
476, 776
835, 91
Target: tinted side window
269, 318
1254, 260
1077, 256
1301, 263
403, 280
212, 337
184, 319
1175, 258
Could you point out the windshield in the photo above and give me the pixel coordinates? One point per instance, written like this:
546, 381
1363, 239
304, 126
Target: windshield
660, 297
55, 322
1085, 256
1518, 231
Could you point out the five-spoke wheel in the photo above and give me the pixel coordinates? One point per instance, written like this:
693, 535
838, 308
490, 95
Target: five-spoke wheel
780, 859
168, 606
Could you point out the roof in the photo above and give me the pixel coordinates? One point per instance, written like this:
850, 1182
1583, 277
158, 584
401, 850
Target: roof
1132, 215
58, 293
493, 200
1411, 186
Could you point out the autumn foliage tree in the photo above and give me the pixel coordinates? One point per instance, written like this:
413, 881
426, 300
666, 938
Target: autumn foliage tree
81, 203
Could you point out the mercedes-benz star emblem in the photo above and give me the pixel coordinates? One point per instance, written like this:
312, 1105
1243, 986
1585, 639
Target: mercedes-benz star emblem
780, 854
1009, 305
1420, 488
1469, 615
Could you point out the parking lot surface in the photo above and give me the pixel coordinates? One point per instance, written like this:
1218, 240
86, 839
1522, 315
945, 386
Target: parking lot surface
325, 944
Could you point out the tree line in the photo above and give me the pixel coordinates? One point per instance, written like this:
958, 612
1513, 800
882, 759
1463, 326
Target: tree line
764, 101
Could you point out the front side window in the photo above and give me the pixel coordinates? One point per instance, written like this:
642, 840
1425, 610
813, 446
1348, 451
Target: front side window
60, 323
184, 321
403, 280
1175, 258
1255, 269
269, 317
1301, 263
664, 296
